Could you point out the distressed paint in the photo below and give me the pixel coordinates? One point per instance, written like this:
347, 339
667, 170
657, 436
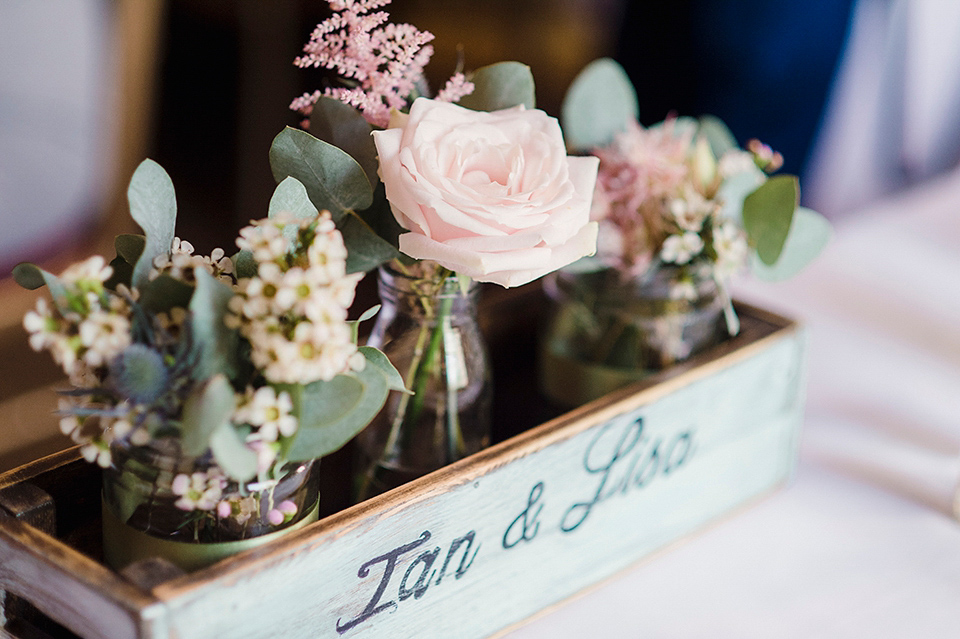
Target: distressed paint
495, 538
542, 524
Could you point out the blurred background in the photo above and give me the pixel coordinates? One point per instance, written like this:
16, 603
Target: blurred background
860, 96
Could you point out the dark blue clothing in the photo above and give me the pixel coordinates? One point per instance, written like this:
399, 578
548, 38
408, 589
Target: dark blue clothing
763, 66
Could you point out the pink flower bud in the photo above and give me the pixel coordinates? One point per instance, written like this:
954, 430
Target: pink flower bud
275, 517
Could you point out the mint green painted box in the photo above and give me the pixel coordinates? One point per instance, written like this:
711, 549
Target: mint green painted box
468, 551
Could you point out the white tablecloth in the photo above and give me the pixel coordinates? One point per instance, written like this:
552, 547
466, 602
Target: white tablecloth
863, 542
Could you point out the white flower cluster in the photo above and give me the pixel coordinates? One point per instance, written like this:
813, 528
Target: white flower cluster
181, 261
85, 330
95, 433
730, 245
271, 416
294, 311
200, 490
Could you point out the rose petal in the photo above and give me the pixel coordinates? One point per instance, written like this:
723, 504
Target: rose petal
489, 195
584, 243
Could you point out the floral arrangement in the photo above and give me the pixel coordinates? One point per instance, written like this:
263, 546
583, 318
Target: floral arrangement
236, 369
477, 180
663, 196
682, 209
473, 183
683, 193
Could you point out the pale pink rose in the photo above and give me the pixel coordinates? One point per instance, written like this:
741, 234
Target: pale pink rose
489, 195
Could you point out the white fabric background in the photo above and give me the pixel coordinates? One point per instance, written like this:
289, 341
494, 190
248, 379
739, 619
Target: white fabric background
54, 115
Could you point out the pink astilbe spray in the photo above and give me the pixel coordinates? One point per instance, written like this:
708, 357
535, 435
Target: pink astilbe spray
382, 64
638, 172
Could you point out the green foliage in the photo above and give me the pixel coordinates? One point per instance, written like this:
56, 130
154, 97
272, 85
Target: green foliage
290, 196
214, 345
767, 215
164, 293
205, 410
376, 358
734, 191
809, 234
31, 277
366, 249
366, 253
334, 181
501, 86
355, 324
344, 127
717, 135
153, 205
130, 247
243, 264
332, 412
229, 450
598, 105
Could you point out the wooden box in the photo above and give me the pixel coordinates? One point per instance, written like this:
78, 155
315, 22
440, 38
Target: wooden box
465, 552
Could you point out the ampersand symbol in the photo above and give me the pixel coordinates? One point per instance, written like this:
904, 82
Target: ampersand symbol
526, 522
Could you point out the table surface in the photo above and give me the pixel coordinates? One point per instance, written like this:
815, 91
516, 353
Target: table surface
863, 542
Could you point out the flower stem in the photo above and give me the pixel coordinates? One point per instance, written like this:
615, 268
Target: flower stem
422, 368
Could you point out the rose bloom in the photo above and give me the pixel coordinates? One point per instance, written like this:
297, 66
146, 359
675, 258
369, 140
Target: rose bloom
489, 195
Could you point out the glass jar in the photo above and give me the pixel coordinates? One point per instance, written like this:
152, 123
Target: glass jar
605, 331
427, 327
160, 502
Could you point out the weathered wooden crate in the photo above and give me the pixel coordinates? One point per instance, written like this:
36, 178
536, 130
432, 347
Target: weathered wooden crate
464, 552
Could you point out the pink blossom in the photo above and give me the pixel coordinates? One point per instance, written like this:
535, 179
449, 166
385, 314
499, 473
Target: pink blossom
456, 87
639, 170
385, 61
275, 517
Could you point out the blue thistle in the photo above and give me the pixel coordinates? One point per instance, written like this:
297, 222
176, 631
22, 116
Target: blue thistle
139, 374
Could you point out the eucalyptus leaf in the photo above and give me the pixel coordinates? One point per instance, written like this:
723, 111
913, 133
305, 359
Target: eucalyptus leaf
370, 313
163, 293
717, 135
243, 264
344, 127
129, 246
332, 412
355, 324
599, 104
153, 205
291, 197
215, 345
122, 273
501, 86
767, 215
376, 358
31, 277
365, 249
205, 410
334, 181
734, 190
379, 217
809, 234
230, 452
